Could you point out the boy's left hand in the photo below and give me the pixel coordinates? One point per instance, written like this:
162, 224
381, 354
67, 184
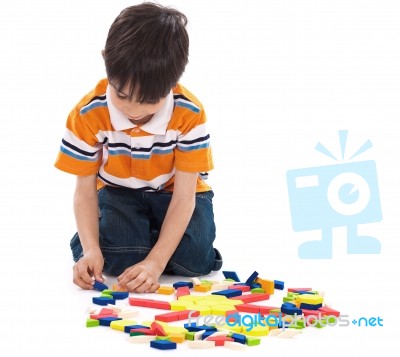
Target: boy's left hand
141, 278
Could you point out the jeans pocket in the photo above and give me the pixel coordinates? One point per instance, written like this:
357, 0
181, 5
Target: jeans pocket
207, 195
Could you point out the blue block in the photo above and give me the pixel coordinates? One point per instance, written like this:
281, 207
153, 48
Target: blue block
103, 301
106, 321
128, 329
99, 286
181, 284
251, 278
237, 337
228, 293
280, 285
207, 334
231, 275
290, 309
255, 286
304, 292
310, 306
120, 295
192, 327
163, 345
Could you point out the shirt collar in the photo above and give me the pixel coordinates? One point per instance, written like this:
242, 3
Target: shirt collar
157, 125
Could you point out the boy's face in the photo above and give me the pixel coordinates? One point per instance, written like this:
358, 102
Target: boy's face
137, 113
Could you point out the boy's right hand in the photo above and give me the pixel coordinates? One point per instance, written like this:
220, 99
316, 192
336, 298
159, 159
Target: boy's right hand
88, 269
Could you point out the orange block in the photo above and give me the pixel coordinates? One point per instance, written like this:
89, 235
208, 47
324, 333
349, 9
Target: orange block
267, 285
202, 288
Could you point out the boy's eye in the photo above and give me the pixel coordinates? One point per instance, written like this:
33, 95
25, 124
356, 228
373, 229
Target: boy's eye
121, 96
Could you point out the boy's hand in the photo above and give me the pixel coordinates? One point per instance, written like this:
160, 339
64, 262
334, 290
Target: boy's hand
88, 269
141, 278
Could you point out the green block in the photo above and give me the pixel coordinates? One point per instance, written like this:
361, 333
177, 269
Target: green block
92, 323
230, 280
288, 298
136, 333
252, 341
321, 325
257, 290
274, 311
189, 336
107, 291
206, 282
331, 319
106, 295
163, 338
297, 327
301, 323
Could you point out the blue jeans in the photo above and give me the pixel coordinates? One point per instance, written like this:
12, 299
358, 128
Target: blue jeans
129, 226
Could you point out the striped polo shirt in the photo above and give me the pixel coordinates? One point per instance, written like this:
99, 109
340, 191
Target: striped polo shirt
100, 140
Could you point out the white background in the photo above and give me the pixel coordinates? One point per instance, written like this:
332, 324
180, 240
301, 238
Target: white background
275, 78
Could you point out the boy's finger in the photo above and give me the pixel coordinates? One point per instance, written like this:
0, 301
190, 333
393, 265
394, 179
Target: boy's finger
77, 279
97, 273
136, 283
83, 273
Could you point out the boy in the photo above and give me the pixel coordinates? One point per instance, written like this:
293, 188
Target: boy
140, 149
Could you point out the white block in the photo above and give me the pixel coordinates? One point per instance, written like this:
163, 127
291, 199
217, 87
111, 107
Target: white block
141, 339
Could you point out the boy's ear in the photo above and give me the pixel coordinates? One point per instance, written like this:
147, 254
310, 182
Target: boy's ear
103, 53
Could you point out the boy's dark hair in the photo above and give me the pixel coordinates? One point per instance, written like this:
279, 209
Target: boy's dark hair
147, 50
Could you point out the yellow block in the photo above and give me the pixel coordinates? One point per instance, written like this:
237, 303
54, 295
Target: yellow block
174, 329
190, 298
232, 302
180, 305
215, 297
166, 290
221, 310
204, 310
256, 331
205, 302
177, 337
310, 299
120, 324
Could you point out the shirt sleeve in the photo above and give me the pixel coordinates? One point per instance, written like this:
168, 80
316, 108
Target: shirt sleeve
80, 151
193, 150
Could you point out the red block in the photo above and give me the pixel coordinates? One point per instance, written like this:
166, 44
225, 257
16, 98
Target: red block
143, 331
99, 316
248, 308
139, 302
219, 340
156, 304
184, 290
325, 311
158, 329
242, 288
311, 312
184, 315
299, 289
105, 311
265, 310
251, 298
168, 317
